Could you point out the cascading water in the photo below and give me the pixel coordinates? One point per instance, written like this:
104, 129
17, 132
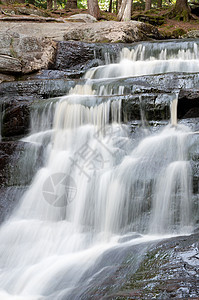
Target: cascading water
97, 185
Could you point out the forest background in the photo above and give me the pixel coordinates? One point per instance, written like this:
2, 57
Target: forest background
173, 17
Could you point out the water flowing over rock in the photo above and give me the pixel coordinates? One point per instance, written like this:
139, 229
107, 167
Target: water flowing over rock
108, 175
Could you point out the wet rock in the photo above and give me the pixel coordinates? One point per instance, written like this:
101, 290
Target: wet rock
152, 94
71, 54
160, 270
112, 32
153, 106
77, 57
169, 270
15, 120
9, 198
188, 103
6, 151
35, 89
85, 18
48, 74
16, 99
9, 194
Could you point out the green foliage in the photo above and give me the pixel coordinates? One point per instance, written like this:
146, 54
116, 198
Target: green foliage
82, 4
38, 3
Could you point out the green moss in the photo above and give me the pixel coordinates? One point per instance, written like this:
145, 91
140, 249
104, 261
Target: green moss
12, 51
148, 270
178, 32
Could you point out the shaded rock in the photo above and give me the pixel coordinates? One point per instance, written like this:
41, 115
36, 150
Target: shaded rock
77, 57
6, 151
151, 93
26, 9
30, 10
15, 119
70, 54
112, 32
188, 103
47, 74
17, 98
34, 89
154, 106
85, 18
153, 20
4, 78
194, 8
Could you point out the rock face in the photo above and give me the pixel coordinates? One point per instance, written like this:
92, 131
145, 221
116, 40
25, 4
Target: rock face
113, 32
76, 57
167, 270
16, 118
25, 48
25, 54
188, 103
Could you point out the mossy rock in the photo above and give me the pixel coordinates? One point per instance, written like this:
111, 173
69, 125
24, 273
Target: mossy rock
153, 20
177, 33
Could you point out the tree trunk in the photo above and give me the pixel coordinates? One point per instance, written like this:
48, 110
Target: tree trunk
71, 4
181, 11
8, 2
147, 5
159, 4
55, 4
125, 10
119, 3
110, 6
49, 4
93, 8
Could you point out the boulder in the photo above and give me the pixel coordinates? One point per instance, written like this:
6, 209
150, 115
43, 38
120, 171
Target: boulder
191, 34
113, 32
85, 18
106, 31
25, 54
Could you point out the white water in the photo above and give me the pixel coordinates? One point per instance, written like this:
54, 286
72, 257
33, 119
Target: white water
106, 187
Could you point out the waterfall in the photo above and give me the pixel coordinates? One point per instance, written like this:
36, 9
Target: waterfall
174, 105
97, 185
